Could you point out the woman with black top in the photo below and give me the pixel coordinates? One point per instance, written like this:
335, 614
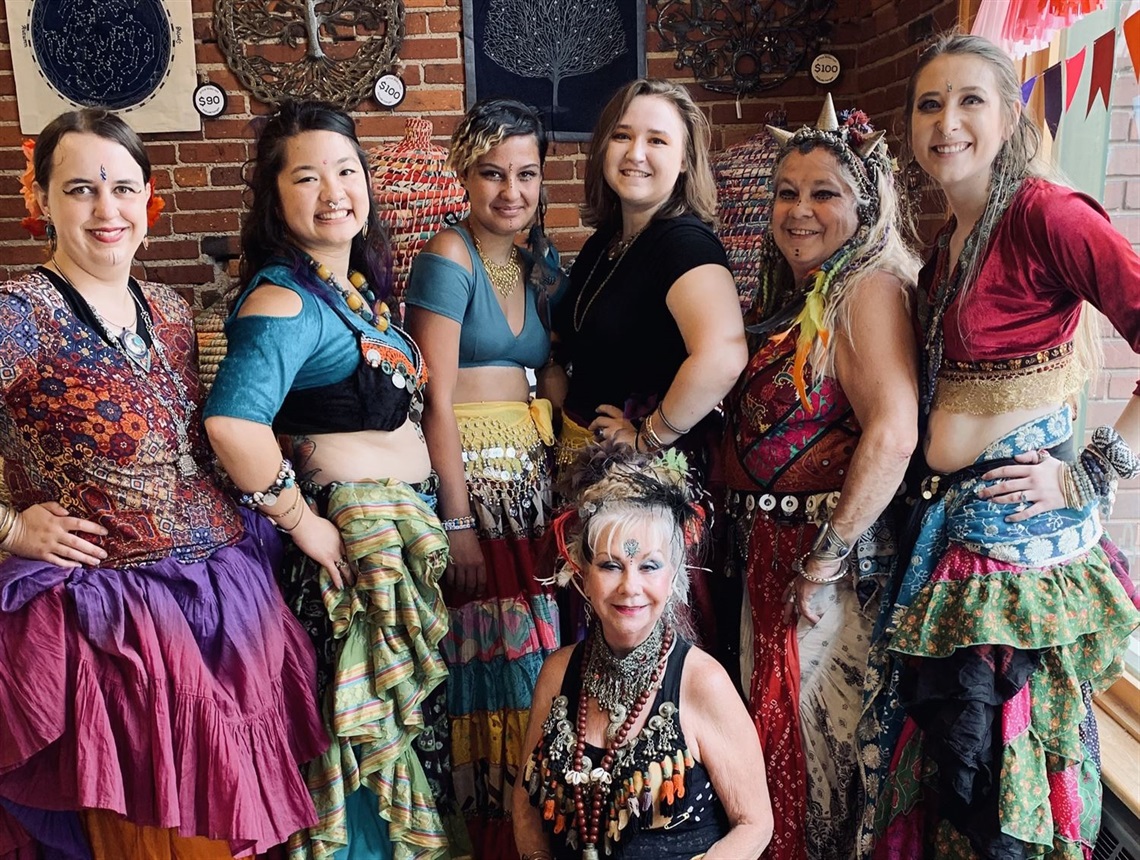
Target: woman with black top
650, 332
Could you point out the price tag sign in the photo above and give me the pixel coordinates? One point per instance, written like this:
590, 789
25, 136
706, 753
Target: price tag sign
210, 100
389, 90
825, 68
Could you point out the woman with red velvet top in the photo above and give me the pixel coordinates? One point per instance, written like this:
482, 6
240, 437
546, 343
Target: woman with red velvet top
1010, 615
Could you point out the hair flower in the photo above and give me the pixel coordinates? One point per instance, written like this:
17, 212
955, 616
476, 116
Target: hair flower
36, 224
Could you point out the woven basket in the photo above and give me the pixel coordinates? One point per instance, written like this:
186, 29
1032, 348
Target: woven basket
743, 173
414, 194
210, 329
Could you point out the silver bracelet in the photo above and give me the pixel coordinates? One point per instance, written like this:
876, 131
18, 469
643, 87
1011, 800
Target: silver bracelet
800, 568
829, 546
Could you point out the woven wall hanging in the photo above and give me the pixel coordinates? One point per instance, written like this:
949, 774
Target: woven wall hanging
414, 194
312, 49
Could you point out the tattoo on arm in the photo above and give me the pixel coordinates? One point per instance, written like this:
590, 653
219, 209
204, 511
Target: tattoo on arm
301, 450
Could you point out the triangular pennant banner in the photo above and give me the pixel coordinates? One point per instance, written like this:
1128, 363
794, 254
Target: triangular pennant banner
1053, 94
1131, 29
1027, 89
1073, 68
1100, 80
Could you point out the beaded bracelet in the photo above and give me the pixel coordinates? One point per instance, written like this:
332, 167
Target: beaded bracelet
277, 518
1115, 451
268, 497
458, 524
8, 518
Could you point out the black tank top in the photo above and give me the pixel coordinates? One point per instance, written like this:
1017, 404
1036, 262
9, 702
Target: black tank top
674, 823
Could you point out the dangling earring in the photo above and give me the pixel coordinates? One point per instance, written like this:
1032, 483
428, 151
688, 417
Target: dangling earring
364, 231
51, 236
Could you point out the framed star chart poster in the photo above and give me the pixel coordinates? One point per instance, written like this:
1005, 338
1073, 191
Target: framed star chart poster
566, 57
135, 57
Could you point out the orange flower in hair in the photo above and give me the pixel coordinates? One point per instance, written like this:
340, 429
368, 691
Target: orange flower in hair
36, 223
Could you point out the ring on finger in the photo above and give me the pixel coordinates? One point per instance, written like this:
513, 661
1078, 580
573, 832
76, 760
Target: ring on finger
1021, 498
341, 563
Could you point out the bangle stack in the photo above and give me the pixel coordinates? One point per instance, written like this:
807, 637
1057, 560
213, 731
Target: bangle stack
458, 524
1094, 473
828, 546
655, 442
540, 854
8, 518
268, 497
800, 567
279, 518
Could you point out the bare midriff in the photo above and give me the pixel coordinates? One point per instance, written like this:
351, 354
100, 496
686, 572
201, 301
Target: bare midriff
368, 454
491, 383
955, 439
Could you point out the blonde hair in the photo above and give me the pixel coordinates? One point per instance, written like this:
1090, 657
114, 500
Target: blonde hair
695, 189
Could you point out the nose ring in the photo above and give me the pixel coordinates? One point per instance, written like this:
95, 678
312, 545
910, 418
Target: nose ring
334, 205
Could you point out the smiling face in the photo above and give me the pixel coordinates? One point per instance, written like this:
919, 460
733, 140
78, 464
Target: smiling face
96, 200
814, 211
629, 579
645, 155
504, 185
323, 191
958, 123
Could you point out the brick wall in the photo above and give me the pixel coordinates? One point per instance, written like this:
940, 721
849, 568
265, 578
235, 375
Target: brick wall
1121, 364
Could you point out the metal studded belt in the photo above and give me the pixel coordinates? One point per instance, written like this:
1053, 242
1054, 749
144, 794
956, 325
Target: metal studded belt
806, 507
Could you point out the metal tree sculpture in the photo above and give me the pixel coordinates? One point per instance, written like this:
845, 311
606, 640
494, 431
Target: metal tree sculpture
553, 39
742, 46
304, 48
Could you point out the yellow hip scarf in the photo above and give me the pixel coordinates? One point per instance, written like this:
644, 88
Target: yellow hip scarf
573, 438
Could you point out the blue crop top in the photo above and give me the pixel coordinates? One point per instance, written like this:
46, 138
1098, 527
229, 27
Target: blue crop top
321, 351
443, 286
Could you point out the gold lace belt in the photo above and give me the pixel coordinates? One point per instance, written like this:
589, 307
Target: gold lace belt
996, 387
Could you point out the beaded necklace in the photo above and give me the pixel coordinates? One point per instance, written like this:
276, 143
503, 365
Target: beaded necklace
403, 373
185, 463
625, 245
599, 778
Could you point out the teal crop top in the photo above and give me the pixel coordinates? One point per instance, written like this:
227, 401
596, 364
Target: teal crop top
443, 286
268, 356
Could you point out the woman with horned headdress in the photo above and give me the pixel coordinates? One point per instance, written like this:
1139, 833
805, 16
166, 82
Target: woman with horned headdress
821, 426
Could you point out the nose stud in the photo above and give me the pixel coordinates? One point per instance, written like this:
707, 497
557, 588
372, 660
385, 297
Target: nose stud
334, 205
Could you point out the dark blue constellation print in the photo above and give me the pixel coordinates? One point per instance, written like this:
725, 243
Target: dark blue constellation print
102, 53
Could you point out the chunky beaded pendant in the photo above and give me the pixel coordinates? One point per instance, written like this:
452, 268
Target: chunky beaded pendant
362, 301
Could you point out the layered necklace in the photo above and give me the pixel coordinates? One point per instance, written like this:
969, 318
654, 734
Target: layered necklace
504, 277
361, 302
608, 678
132, 345
615, 254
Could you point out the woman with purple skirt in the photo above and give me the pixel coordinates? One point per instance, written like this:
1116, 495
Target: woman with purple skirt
156, 695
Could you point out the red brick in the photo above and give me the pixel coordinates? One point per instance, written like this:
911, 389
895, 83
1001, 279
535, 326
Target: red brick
181, 275
425, 100
415, 23
557, 168
221, 177
208, 201
190, 177
206, 222
212, 153
562, 216
430, 48
172, 249
444, 22
444, 73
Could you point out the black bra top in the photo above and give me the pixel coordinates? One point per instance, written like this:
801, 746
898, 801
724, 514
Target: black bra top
384, 390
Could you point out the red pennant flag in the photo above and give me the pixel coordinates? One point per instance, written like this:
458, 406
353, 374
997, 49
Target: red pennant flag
1131, 29
1051, 77
1073, 68
1100, 81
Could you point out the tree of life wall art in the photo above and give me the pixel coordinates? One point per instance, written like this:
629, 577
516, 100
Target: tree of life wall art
566, 57
135, 57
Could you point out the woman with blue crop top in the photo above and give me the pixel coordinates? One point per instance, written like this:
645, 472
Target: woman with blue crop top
316, 362
477, 306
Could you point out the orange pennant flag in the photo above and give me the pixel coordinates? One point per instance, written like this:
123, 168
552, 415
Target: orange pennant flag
1131, 29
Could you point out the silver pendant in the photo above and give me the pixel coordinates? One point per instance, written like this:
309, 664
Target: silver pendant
373, 357
590, 852
187, 466
135, 349
399, 381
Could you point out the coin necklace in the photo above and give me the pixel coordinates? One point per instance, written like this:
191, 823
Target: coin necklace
504, 277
